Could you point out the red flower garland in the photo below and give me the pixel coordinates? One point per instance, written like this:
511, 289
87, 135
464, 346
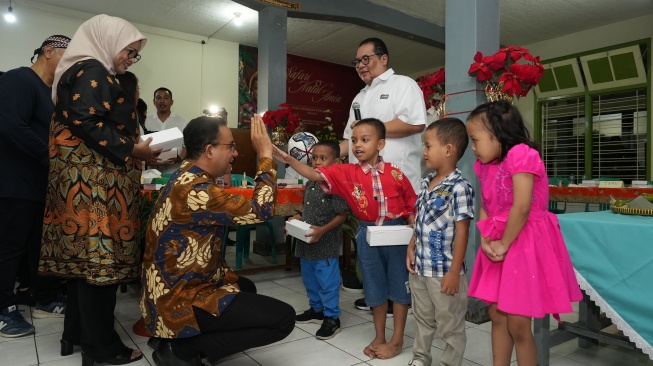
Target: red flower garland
282, 117
431, 84
503, 71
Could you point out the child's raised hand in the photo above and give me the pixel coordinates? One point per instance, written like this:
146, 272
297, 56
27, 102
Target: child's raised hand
450, 283
280, 155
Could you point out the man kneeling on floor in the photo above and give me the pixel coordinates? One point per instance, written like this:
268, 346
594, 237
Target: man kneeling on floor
192, 302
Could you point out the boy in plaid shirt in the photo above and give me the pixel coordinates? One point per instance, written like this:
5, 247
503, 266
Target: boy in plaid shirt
436, 252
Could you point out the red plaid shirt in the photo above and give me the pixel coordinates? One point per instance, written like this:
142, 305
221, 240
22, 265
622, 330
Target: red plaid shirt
383, 195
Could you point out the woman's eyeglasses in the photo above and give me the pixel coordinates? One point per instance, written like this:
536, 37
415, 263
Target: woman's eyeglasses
132, 53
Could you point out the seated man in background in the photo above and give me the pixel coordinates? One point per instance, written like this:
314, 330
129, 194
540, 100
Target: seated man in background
191, 299
164, 119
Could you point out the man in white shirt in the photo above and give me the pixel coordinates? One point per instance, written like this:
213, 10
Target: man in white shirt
165, 119
394, 99
397, 101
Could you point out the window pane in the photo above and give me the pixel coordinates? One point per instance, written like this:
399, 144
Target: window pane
619, 135
563, 137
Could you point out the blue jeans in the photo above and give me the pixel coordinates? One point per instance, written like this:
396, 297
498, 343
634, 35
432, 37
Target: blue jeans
384, 268
322, 281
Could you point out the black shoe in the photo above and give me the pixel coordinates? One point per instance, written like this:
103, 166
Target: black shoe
361, 305
163, 356
309, 316
350, 283
67, 347
154, 342
330, 327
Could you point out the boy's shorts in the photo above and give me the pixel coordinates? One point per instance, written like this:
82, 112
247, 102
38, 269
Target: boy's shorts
384, 268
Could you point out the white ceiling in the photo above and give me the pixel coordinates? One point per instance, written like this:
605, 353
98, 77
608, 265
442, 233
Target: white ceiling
522, 22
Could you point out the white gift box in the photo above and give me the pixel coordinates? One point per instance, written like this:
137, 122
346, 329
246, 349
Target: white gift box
148, 175
298, 229
388, 235
166, 139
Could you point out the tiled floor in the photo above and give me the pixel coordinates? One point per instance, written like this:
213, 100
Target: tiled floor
301, 347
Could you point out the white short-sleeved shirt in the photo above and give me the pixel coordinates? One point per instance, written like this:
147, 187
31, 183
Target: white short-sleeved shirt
393, 96
154, 124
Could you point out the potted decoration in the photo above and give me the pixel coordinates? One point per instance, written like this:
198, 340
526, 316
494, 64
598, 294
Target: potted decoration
432, 85
511, 72
283, 122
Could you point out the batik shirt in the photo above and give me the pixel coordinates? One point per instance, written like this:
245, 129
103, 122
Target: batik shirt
183, 266
438, 210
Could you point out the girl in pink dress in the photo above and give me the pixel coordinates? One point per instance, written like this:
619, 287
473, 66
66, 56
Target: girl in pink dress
523, 268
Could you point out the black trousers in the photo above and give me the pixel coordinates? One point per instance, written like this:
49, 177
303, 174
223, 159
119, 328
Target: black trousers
21, 227
250, 320
89, 319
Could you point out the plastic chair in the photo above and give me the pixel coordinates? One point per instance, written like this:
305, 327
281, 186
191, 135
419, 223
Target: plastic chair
243, 237
243, 232
237, 180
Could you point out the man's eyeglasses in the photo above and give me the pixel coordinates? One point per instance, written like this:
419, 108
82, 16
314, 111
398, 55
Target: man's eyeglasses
364, 60
231, 146
132, 53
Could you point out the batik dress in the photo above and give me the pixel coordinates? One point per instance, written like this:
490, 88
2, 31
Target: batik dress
91, 223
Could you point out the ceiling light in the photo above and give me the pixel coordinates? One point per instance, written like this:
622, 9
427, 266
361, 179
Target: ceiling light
238, 20
10, 17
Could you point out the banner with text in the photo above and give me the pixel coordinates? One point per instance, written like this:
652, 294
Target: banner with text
320, 91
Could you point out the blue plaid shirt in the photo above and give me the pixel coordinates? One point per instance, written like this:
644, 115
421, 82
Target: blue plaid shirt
437, 212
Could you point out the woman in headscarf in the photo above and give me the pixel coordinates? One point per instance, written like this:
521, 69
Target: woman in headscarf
91, 224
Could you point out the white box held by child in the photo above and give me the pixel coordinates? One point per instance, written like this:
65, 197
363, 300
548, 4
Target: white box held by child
388, 235
298, 229
166, 139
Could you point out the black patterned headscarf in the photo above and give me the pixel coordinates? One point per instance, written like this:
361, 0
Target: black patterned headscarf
56, 41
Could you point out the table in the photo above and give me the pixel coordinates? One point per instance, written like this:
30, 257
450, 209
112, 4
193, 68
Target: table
288, 199
612, 256
580, 194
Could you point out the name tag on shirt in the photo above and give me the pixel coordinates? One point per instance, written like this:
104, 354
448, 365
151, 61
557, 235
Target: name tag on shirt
385, 96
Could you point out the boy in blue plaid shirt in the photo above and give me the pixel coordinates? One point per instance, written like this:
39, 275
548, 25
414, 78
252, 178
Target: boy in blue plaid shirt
436, 252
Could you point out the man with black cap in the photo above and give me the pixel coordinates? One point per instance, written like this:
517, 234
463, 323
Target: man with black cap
25, 111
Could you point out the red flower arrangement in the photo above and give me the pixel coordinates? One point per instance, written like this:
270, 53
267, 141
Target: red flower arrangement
432, 86
502, 73
283, 118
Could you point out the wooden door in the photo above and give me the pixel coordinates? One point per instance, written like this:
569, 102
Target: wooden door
246, 160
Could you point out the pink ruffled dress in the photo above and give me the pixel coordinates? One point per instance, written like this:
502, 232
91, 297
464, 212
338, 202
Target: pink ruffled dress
536, 277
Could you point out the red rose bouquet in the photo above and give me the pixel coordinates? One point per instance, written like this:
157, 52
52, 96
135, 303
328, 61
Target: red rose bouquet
283, 118
502, 73
432, 86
